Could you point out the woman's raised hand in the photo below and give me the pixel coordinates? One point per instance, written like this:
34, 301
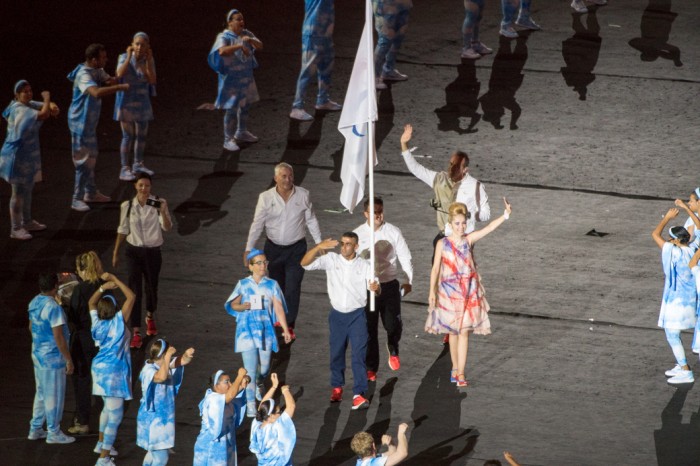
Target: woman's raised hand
508, 207
672, 212
275, 381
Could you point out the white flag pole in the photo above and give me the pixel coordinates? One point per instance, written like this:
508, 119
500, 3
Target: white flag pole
369, 18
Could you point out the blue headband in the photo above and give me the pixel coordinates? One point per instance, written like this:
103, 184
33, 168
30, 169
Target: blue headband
111, 298
253, 253
231, 13
19, 85
163, 345
142, 34
697, 193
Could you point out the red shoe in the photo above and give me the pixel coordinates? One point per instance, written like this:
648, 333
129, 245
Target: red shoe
461, 381
151, 326
371, 376
446, 339
291, 332
394, 363
337, 395
136, 340
360, 402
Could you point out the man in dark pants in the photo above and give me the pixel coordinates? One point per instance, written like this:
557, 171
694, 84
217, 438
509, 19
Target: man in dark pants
283, 211
389, 246
348, 277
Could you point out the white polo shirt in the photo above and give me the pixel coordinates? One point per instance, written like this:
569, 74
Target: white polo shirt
347, 280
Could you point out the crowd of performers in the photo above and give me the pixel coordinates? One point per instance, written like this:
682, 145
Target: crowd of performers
97, 352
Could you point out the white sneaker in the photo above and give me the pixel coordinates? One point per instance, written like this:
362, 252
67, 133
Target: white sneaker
79, 205
106, 461
20, 234
480, 48
329, 106
379, 84
140, 167
579, 6
126, 174
509, 32
300, 114
34, 226
245, 136
470, 54
674, 372
231, 145
37, 434
394, 75
527, 23
59, 437
98, 449
96, 197
683, 377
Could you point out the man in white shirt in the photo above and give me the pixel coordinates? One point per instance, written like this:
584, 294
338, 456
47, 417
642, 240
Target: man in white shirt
348, 279
390, 246
453, 185
284, 211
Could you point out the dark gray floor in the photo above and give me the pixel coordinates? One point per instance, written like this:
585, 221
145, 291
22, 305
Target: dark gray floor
573, 372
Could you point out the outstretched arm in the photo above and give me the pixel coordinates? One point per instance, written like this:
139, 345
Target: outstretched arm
271, 392
235, 386
290, 403
510, 459
479, 234
401, 451
656, 234
418, 170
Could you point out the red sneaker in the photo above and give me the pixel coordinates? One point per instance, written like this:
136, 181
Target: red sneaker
136, 340
371, 376
337, 395
446, 339
394, 363
360, 402
291, 332
151, 326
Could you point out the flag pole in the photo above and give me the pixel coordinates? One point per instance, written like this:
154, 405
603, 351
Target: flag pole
369, 18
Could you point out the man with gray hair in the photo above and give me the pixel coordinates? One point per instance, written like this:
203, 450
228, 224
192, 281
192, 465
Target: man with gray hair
283, 211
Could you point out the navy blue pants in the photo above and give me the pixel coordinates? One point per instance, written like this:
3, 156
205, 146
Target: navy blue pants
348, 327
285, 268
388, 307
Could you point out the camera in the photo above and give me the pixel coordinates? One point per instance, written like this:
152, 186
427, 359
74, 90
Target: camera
153, 203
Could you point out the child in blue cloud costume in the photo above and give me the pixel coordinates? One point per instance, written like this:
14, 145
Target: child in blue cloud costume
111, 367
222, 411
272, 432
255, 333
161, 378
233, 57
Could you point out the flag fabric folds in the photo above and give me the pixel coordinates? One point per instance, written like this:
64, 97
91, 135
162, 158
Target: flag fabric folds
357, 119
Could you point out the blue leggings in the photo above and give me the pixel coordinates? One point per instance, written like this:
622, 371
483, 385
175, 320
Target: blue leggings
511, 7
317, 58
391, 29
674, 340
235, 119
133, 139
473, 10
156, 458
21, 204
251, 360
110, 418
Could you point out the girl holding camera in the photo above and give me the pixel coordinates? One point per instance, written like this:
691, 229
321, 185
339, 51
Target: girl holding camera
141, 224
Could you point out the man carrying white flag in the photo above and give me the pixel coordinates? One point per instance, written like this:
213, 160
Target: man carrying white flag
359, 110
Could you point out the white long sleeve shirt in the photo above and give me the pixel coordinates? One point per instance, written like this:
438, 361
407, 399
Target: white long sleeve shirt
390, 246
347, 280
467, 195
284, 222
